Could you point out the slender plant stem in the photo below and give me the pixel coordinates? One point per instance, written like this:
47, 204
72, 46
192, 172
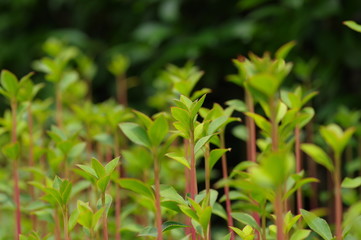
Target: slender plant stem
57, 233
189, 183
158, 209
338, 197
65, 225
251, 127
251, 142
312, 168
226, 188
194, 189
278, 204
16, 193
264, 222
122, 96
118, 201
59, 106
105, 222
298, 166
208, 183
207, 168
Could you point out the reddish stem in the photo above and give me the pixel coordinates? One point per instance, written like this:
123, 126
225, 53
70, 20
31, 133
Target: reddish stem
105, 222
122, 87
298, 166
226, 189
16, 195
312, 168
158, 209
118, 201
338, 197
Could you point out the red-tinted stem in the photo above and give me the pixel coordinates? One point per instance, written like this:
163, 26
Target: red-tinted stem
57, 233
226, 189
118, 201
105, 222
194, 187
158, 209
31, 159
312, 168
298, 166
251, 128
122, 88
278, 204
59, 106
16, 193
338, 197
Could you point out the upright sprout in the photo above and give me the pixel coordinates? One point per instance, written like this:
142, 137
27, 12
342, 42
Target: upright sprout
28, 93
153, 136
118, 67
10, 88
296, 101
337, 139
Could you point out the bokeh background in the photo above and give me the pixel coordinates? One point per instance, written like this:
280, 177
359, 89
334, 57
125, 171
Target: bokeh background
153, 33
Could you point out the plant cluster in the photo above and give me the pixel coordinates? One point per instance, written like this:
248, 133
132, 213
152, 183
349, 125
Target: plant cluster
82, 170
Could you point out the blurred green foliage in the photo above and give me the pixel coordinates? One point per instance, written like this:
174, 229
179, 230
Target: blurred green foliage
152, 33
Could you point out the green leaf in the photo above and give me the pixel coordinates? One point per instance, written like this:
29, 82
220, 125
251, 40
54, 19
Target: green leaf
65, 190
265, 83
76, 150
170, 225
201, 142
182, 116
158, 130
336, 137
88, 170
215, 155
73, 219
11, 151
10, 83
98, 168
246, 219
261, 122
169, 193
96, 217
103, 182
205, 218
317, 224
318, 155
179, 158
283, 51
353, 25
351, 182
109, 168
135, 133
147, 122
55, 195
136, 186
189, 212
196, 106
148, 232
216, 124
300, 234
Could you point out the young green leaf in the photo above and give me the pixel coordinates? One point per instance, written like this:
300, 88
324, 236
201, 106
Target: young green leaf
179, 158
300, 234
170, 225
317, 224
353, 25
135, 133
215, 155
109, 168
98, 168
136, 186
351, 182
10, 83
246, 219
158, 130
318, 155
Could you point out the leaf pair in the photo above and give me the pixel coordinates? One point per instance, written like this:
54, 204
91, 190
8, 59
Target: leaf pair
100, 174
